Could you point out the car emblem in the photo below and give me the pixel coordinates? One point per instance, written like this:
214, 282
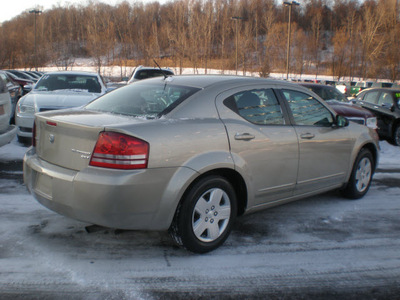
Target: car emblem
51, 138
84, 154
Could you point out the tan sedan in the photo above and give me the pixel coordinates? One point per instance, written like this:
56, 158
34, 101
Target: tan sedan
189, 154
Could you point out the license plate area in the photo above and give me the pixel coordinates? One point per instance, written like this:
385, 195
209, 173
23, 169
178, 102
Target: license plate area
44, 185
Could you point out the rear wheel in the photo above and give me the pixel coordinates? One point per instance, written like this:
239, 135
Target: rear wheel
361, 176
396, 135
205, 215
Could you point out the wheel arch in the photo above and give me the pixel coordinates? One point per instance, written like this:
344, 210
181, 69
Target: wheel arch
234, 178
374, 151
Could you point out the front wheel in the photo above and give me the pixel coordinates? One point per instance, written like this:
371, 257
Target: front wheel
396, 136
205, 215
361, 176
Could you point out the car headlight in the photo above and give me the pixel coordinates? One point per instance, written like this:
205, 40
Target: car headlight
26, 109
372, 123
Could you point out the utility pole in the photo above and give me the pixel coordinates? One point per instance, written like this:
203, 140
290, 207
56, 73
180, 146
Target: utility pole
289, 4
36, 12
236, 19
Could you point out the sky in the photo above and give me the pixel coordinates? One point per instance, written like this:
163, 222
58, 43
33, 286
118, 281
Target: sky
10, 9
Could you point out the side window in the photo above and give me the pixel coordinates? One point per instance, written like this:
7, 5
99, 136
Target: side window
385, 98
371, 97
307, 110
257, 106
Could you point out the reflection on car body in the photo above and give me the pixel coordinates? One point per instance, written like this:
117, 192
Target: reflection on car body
342, 105
189, 154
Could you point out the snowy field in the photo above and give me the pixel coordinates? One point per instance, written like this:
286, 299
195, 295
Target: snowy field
323, 247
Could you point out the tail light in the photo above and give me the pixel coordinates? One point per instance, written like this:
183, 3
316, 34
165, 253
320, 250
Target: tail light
120, 151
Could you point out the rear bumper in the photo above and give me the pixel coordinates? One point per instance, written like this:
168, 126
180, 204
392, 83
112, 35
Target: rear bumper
7, 135
138, 199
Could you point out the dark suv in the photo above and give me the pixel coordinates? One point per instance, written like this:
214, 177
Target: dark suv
385, 104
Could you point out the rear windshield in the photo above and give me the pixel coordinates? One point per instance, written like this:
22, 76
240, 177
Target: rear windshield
149, 100
143, 74
52, 82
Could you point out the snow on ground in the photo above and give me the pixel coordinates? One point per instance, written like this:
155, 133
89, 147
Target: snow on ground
12, 151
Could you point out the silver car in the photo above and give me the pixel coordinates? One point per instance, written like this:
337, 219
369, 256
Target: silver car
189, 154
7, 131
56, 90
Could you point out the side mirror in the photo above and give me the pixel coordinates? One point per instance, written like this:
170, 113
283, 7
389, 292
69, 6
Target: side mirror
342, 121
388, 106
125, 79
28, 88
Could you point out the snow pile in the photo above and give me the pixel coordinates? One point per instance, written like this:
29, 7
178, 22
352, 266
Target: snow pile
12, 151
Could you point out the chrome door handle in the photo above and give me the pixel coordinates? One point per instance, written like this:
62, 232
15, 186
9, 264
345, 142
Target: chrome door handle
307, 136
244, 136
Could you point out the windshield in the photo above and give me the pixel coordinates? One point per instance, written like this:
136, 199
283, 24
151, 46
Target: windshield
54, 82
149, 100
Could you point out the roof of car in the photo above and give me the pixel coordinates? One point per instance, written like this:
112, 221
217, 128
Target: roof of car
203, 81
316, 85
391, 89
72, 73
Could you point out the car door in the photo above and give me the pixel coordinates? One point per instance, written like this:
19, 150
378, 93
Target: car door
324, 148
264, 146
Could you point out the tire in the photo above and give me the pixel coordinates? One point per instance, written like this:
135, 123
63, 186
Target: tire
361, 176
396, 136
204, 218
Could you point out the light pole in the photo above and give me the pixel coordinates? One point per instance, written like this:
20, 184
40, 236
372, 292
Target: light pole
290, 4
36, 12
236, 19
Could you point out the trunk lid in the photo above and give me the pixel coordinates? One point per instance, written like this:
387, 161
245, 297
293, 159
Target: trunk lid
67, 138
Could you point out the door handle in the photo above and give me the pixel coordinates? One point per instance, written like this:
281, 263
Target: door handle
307, 136
244, 136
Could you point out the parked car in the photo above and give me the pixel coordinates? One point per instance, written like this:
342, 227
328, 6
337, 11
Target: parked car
190, 153
33, 74
385, 104
15, 91
345, 86
7, 131
361, 85
56, 90
23, 75
26, 84
342, 105
141, 73
382, 85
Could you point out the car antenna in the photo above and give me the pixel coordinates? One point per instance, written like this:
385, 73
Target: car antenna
165, 75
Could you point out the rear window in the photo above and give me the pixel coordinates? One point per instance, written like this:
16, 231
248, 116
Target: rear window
69, 82
143, 74
149, 100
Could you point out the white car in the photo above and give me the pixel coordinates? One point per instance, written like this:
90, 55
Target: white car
141, 73
7, 131
56, 90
